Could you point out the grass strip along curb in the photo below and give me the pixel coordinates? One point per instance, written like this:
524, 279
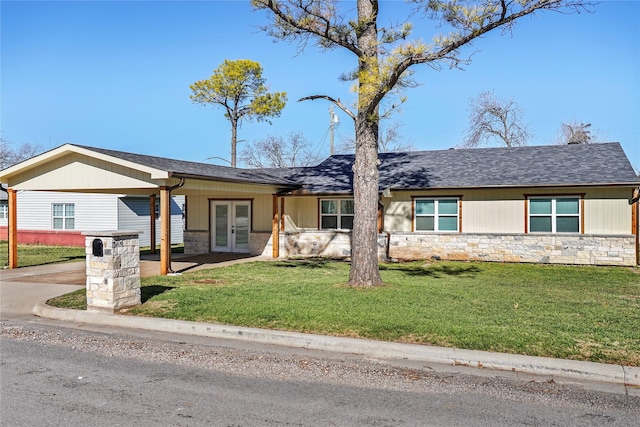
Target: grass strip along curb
574, 313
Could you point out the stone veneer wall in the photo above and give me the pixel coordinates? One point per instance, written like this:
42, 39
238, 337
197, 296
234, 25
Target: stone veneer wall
535, 248
197, 242
584, 249
324, 243
113, 278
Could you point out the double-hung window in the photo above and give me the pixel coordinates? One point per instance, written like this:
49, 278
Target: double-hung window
63, 216
336, 214
4, 209
554, 214
436, 214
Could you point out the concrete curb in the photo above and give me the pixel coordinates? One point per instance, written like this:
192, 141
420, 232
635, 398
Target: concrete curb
627, 376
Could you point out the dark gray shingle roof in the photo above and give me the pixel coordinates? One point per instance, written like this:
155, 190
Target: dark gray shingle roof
549, 165
182, 168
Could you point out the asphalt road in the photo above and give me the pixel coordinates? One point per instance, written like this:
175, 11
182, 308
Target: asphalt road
54, 376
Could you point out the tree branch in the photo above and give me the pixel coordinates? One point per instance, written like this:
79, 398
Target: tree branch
337, 102
310, 21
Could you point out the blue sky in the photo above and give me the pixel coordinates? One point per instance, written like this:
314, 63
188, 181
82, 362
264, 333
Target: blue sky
117, 74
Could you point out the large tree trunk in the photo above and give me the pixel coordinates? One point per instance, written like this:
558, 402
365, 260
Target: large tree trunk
364, 240
366, 177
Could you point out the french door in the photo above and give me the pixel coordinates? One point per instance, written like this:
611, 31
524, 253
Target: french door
230, 225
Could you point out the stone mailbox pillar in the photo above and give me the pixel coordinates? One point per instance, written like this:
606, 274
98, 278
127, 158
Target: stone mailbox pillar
113, 270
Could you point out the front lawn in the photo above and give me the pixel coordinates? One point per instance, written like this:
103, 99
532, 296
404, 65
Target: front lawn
582, 313
29, 255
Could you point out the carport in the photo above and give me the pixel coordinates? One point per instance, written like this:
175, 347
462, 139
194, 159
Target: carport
76, 168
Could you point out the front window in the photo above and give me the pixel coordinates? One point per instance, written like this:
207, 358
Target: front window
336, 214
436, 214
4, 209
554, 214
63, 216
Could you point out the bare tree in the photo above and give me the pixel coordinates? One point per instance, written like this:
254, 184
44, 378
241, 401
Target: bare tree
383, 59
493, 120
577, 132
11, 154
390, 140
276, 152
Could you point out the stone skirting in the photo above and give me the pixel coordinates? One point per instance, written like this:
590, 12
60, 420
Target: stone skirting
535, 248
584, 249
113, 270
323, 243
197, 242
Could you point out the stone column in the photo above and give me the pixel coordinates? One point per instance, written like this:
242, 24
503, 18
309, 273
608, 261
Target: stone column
113, 270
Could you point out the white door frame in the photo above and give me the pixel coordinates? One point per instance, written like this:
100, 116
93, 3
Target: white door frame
230, 232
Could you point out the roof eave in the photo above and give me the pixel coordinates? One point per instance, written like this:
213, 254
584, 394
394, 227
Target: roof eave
71, 148
559, 185
231, 180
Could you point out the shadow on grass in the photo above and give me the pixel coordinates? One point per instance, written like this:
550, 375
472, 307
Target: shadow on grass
310, 263
177, 248
148, 292
434, 271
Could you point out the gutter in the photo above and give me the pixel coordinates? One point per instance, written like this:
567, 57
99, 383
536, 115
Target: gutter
236, 180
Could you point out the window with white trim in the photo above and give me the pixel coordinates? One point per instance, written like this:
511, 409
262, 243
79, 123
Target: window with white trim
436, 214
4, 209
336, 214
63, 215
554, 214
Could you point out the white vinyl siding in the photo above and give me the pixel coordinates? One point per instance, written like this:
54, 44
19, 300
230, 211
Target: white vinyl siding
91, 211
133, 214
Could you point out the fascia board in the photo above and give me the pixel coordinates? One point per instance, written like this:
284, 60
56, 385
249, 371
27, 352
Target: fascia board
70, 148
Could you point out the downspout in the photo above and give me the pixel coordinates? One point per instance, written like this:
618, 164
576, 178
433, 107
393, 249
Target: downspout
169, 190
8, 243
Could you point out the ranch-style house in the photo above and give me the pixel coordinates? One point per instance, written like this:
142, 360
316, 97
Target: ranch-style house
560, 204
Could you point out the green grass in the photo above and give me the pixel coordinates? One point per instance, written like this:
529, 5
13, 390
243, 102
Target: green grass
29, 255
582, 313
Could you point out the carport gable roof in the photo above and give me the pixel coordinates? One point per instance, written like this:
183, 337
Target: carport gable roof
159, 168
186, 169
535, 166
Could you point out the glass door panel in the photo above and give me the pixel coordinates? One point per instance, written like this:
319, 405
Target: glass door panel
241, 227
231, 226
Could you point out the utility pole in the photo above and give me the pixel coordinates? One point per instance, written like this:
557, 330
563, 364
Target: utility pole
333, 119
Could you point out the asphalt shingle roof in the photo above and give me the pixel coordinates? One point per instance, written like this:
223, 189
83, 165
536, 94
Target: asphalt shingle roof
549, 165
182, 168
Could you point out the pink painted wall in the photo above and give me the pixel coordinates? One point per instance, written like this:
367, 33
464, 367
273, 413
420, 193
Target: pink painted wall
46, 237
